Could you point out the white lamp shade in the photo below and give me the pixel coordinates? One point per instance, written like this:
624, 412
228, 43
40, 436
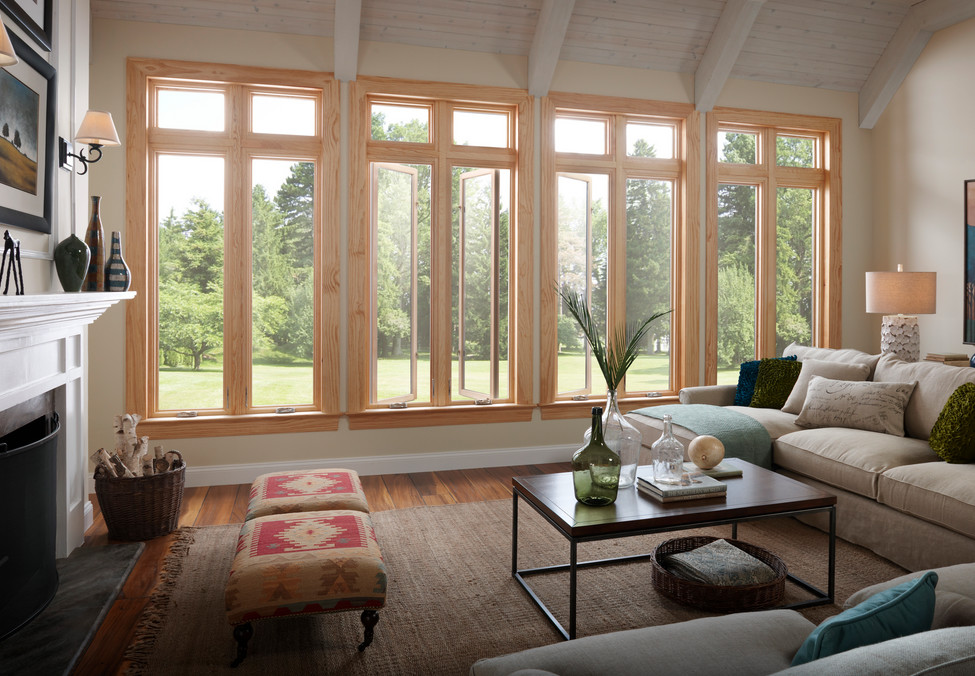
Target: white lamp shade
8, 56
97, 129
901, 293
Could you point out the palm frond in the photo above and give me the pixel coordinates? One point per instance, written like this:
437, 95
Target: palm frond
615, 358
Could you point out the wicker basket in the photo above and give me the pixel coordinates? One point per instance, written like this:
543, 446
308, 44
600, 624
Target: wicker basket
144, 507
717, 598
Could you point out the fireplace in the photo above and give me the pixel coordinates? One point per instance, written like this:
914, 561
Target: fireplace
28, 502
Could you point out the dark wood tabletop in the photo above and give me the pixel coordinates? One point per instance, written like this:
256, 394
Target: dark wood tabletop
758, 492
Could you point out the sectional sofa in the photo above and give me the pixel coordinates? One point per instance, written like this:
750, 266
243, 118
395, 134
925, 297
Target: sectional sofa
895, 495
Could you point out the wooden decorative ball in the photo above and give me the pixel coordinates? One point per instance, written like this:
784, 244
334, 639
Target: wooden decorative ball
705, 451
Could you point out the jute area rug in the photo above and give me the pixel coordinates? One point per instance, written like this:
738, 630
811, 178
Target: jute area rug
451, 598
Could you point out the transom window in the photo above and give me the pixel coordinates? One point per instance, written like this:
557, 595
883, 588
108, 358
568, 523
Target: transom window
774, 224
615, 205
439, 229
234, 224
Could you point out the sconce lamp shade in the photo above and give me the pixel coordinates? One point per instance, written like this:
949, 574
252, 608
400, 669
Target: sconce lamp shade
8, 56
97, 128
901, 293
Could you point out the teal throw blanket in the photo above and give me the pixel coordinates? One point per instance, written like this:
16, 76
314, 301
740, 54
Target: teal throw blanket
743, 437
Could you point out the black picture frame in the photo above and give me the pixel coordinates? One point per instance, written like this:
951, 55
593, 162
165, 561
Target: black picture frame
19, 208
40, 32
968, 329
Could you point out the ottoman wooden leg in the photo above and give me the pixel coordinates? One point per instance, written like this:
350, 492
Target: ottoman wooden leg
242, 633
369, 620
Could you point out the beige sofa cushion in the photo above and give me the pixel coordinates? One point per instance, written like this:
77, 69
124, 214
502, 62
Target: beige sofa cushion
938, 492
834, 370
878, 407
935, 383
846, 355
747, 643
847, 458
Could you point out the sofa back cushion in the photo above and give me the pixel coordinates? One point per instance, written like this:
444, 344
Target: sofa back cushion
935, 383
846, 355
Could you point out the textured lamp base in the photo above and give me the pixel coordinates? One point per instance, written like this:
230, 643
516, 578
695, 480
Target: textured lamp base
900, 337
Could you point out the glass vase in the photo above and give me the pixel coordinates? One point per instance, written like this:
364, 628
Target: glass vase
668, 456
622, 437
596, 467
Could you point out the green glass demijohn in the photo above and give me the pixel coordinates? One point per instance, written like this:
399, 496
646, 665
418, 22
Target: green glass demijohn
596, 467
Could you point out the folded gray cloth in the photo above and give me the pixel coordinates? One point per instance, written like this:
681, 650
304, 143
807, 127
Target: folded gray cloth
719, 563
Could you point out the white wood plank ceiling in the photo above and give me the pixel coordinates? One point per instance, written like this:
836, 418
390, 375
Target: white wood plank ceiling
865, 46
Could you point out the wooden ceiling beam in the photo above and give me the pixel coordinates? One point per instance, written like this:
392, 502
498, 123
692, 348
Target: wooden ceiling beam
723, 49
903, 50
553, 21
348, 17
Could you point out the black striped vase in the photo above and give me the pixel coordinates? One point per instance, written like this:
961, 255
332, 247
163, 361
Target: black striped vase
117, 276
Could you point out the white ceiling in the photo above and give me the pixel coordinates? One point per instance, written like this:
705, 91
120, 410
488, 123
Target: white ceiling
833, 44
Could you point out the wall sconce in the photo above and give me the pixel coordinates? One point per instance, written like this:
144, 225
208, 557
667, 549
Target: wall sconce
7, 55
900, 296
97, 130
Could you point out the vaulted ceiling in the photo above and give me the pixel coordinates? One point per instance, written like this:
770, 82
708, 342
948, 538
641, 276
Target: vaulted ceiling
864, 46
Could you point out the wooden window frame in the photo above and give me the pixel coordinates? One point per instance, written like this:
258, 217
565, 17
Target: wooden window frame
769, 176
440, 152
684, 171
144, 142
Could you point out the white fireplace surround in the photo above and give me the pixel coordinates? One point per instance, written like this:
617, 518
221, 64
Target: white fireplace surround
44, 348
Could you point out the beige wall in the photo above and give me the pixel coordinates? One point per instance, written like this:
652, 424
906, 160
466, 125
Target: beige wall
114, 41
924, 149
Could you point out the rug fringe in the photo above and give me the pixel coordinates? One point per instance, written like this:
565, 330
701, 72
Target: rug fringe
151, 621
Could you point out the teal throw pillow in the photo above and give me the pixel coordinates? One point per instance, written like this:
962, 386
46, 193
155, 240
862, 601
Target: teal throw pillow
747, 374
953, 434
899, 611
776, 378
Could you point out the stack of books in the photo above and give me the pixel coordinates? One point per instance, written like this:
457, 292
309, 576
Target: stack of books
698, 486
952, 359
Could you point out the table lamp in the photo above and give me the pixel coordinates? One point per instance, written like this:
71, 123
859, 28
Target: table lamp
901, 296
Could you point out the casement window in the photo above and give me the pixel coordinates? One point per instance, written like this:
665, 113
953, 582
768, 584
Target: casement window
619, 227
773, 220
440, 273
232, 211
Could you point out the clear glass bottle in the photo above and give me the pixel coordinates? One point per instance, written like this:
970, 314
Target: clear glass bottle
596, 467
668, 456
622, 437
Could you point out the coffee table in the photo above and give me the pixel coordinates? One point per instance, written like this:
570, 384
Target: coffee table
757, 494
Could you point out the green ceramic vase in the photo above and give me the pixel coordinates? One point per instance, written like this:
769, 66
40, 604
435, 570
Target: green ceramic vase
71, 257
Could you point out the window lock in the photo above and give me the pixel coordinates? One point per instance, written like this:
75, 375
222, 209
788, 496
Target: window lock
483, 402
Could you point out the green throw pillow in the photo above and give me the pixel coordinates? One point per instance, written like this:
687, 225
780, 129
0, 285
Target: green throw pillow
899, 611
953, 435
776, 378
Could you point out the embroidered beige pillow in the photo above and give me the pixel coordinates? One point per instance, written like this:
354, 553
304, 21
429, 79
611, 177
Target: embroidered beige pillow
877, 407
835, 370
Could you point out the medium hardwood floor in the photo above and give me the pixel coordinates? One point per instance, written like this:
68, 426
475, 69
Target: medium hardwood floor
218, 505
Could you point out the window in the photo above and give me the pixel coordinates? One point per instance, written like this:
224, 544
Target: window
230, 238
439, 243
773, 232
618, 228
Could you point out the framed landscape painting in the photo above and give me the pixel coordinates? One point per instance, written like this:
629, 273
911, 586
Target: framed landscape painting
26, 140
970, 262
34, 16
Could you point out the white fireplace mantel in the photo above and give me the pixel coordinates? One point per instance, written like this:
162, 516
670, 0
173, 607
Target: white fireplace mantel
43, 347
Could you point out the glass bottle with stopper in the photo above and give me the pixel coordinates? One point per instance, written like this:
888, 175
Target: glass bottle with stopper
668, 456
596, 467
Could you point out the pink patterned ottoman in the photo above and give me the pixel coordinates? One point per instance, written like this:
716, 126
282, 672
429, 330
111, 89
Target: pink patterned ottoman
309, 491
312, 562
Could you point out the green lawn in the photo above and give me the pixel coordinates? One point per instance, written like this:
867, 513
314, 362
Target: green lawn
283, 385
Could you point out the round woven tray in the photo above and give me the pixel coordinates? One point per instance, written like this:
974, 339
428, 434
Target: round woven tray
142, 507
716, 598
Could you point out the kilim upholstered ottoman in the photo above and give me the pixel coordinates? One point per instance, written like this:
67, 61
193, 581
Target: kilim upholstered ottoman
308, 491
311, 562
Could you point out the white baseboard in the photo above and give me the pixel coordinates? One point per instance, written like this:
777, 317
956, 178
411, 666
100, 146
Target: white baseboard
219, 475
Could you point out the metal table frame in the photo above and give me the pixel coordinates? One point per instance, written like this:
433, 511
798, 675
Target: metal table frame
819, 596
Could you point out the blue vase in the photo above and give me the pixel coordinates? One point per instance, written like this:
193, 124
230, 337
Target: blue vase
117, 277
